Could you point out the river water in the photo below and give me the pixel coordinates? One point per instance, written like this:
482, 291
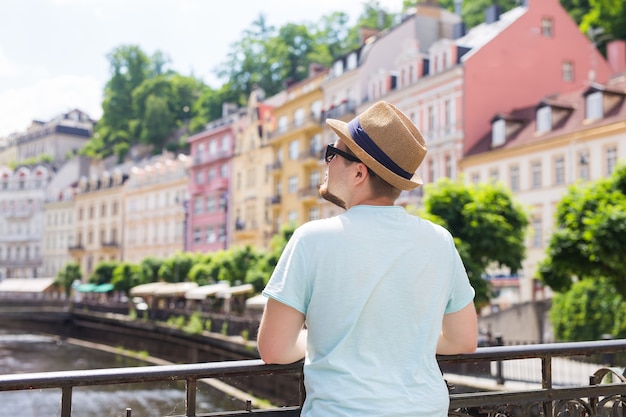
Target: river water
25, 353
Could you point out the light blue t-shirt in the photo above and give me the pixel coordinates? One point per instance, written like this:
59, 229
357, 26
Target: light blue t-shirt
374, 284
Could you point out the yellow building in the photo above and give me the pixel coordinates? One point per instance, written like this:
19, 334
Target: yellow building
98, 220
297, 146
252, 166
154, 211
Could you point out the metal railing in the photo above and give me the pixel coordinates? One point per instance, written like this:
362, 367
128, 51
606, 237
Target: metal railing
583, 400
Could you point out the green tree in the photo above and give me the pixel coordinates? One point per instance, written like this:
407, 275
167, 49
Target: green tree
176, 268
202, 274
103, 273
126, 276
487, 224
67, 275
149, 269
581, 313
590, 237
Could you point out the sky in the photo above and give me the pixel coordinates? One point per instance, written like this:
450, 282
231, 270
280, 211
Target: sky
53, 53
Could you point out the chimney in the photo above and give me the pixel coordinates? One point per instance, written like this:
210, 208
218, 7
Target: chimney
492, 14
616, 55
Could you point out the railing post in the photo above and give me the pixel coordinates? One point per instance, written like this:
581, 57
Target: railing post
66, 401
191, 387
499, 374
546, 383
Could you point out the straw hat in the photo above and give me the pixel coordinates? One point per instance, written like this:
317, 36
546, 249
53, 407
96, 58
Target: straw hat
387, 142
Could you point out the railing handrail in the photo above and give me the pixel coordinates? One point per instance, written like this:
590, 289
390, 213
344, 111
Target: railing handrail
154, 373
547, 396
538, 350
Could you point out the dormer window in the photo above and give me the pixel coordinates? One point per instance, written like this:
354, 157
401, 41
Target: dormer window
498, 132
593, 105
544, 119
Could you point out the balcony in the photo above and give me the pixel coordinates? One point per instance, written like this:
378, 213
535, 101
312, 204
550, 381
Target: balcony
274, 200
275, 168
345, 111
109, 245
75, 249
310, 122
312, 157
309, 193
540, 394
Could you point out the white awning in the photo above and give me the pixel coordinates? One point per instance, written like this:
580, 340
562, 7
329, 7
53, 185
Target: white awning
238, 289
26, 285
146, 289
174, 289
257, 302
204, 291
162, 289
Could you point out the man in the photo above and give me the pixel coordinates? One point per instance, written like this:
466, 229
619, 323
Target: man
370, 296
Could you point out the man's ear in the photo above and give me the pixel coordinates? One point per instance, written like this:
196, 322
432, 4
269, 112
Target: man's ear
361, 171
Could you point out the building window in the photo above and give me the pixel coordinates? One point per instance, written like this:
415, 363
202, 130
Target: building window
197, 235
475, 178
210, 234
583, 166
213, 148
448, 117
593, 106
498, 132
494, 175
559, 171
514, 178
199, 177
103, 210
294, 150
432, 121
298, 117
197, 205
431, 171
547, 27
292, 217
293, 184
537, 233
544, 119
536, 174
448, 166
568, 71
611, 159
210, 204
314, 213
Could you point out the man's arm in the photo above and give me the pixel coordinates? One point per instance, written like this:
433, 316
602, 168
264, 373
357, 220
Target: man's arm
281, 337
459, 333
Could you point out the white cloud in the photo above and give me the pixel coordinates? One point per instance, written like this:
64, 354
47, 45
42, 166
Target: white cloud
48, 98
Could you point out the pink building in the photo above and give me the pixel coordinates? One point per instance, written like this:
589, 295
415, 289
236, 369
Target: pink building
209, 184
514, 61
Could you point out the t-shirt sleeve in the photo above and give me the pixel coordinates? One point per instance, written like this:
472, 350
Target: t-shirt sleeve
290, 281
461, 291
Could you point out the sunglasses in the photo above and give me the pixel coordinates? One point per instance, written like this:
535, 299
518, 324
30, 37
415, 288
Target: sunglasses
331, 152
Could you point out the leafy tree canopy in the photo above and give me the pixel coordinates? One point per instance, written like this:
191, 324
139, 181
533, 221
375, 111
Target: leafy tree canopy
487, 224
591, 235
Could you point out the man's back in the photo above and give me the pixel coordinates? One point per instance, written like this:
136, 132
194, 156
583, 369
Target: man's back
374, 284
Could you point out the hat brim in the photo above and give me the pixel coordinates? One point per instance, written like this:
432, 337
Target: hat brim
341, 129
